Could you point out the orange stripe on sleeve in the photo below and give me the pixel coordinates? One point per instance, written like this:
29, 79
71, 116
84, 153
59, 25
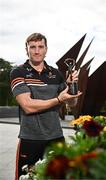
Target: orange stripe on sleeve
16, 80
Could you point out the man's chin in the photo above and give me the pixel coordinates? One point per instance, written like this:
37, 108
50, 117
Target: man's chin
36, 61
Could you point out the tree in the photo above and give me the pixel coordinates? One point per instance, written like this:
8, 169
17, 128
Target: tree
6, 97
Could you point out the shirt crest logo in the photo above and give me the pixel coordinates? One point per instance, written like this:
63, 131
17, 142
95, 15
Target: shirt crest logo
30, 75
51, 76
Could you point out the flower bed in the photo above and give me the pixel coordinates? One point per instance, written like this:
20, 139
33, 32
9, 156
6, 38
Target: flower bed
83, 158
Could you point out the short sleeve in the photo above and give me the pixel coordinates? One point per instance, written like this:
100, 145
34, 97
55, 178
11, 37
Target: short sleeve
17, 81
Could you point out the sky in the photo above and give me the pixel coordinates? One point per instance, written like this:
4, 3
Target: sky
63, 22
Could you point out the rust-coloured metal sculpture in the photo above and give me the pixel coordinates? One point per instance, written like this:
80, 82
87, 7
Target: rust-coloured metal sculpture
62, 65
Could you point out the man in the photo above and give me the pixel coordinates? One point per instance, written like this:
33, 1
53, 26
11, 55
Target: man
39, 90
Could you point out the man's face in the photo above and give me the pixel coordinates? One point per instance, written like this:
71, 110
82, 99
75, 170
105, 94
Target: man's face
36, 50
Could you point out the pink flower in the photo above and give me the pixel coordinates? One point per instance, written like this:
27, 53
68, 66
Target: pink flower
92, 128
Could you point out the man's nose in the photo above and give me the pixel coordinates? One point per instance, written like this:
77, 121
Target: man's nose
36, 50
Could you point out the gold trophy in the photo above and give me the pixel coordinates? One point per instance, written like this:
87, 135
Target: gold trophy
73, 85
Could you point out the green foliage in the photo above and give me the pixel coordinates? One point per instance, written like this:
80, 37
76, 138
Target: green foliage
83, 158
6, 97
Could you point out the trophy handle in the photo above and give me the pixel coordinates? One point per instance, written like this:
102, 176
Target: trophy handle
70, 63
73, 86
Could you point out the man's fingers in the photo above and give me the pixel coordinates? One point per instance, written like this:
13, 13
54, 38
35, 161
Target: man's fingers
77, 95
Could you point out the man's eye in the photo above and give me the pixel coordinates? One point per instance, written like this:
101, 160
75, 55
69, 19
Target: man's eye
41, 46
32, 47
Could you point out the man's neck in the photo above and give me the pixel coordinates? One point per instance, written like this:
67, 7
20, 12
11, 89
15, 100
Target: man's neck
37, 66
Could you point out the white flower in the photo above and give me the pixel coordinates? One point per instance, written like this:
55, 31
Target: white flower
24, 177
25, 168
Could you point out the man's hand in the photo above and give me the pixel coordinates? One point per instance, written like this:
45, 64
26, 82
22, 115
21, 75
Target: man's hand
72, 77
65, 96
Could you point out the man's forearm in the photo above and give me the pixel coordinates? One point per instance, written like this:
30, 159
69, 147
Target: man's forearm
30, 105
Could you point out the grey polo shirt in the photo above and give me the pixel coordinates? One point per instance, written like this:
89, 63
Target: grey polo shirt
48, 84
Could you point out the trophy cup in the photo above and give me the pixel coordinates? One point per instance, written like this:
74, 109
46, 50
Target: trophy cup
73, 85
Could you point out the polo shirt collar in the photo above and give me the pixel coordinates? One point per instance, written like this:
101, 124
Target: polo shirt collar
47, 68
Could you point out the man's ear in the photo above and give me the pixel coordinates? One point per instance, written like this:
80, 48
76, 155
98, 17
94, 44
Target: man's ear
27, 51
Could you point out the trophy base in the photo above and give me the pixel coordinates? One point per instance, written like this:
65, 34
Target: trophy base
73, 88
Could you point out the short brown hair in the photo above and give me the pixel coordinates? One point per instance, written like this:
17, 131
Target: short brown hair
36, 37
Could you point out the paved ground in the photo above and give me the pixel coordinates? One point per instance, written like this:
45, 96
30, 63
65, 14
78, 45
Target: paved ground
8, 141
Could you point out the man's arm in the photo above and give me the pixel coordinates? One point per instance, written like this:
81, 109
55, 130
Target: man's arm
30, 105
